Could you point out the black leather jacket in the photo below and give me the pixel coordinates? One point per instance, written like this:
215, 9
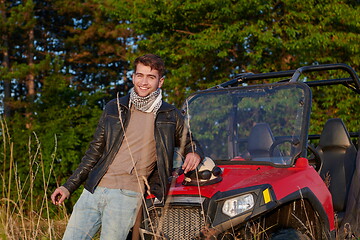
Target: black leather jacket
169, 128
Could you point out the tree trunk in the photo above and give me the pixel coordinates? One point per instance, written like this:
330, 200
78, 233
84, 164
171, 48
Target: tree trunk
5, 64
30, 80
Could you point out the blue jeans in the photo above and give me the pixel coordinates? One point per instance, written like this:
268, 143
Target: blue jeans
114, 210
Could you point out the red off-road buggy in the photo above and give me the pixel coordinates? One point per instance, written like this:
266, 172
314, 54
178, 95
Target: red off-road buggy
268, 182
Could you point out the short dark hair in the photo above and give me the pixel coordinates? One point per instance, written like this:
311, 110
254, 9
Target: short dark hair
153, 61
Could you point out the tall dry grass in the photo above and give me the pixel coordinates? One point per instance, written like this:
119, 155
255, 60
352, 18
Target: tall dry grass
24, 213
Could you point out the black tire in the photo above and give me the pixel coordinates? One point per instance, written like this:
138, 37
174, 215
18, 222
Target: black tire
288, 234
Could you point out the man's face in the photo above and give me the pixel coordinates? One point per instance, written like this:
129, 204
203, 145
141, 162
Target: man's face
146, 80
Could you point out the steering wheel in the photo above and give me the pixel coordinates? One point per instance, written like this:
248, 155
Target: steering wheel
276, 143
314, 158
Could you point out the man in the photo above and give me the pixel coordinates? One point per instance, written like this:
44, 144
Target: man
134, 141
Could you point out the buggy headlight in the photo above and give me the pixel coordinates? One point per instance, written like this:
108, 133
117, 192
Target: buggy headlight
238, 205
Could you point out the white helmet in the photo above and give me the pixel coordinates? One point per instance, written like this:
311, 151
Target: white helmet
206, 173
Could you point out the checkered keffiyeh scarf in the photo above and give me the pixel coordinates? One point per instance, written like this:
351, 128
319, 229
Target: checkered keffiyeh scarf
150, 103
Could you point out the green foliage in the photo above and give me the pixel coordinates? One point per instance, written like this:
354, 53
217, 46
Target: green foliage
96, 46
207, 41
335, 102
71, 117
63, 123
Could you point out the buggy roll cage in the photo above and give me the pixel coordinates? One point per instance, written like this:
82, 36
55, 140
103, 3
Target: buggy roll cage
352, 82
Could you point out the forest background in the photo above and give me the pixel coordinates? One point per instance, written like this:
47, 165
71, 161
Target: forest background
62, 60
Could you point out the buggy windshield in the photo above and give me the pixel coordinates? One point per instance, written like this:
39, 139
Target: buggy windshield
263, 123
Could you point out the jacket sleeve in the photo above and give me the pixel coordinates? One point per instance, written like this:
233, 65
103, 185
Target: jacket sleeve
187, 142
92, 155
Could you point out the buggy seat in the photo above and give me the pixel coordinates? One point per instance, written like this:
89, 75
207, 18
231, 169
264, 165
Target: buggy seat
339, 155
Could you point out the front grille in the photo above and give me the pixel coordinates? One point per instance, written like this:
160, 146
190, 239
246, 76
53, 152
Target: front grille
176, 222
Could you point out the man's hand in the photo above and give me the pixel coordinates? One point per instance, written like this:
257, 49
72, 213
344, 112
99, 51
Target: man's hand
59, 195
192, 160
